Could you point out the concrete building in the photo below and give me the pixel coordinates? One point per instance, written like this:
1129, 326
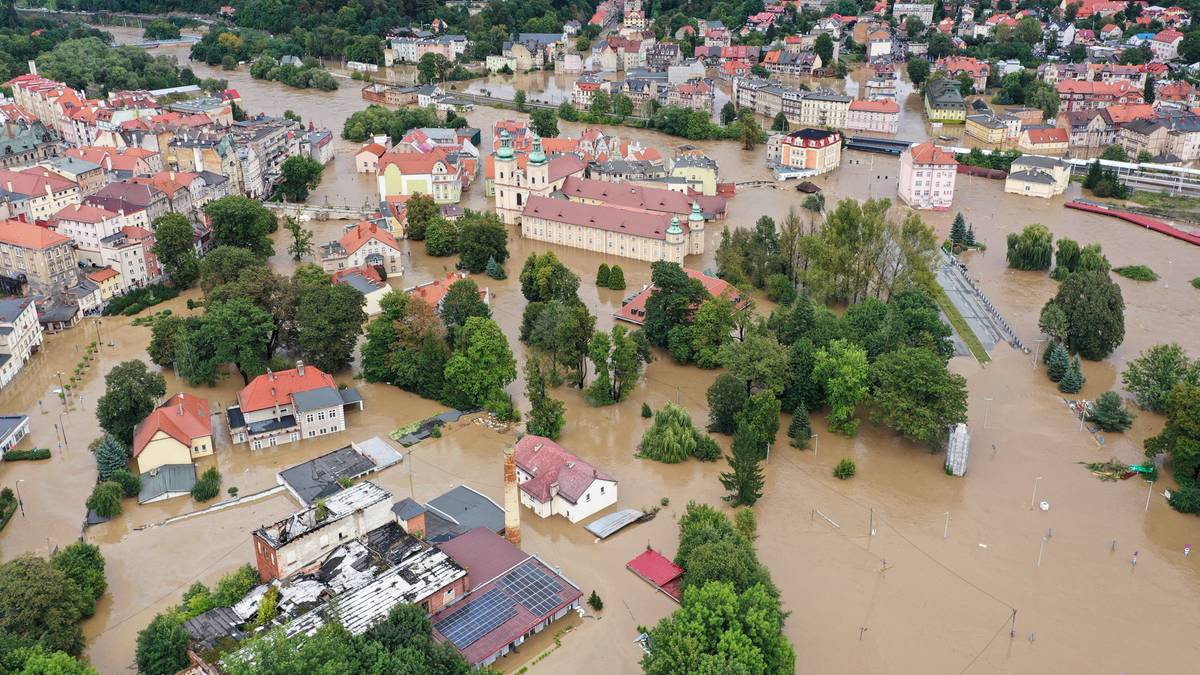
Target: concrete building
38, 257
26, 142
879, 116
283, 407
365, 280
555, 482
90, 177
365, 244
927, 175
1035, 176
944, 102
699, 171
20, 336
1045, 141
48, 192
139, 204
13, 429
814, 151
303, 538
431, 173
86, 225
130, 252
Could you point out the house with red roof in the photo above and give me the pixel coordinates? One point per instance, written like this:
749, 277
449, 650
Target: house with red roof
408, 173
41, 258
554, 482
434, 292
633, 308
1085, 95
86, 225
977, 70
1165, 45
364, 244
277, 408
1043, 141
177, 432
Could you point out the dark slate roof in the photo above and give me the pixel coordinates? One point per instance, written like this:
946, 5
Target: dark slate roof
469, 509
285, 422
10, 422
208, 628
235, 417
168, 478
318, 477
407, 508
1034, 176
11, 308
317, 399
350, 395
1040, 161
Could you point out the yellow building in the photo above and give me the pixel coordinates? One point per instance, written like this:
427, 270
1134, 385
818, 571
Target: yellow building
699, 171
177, 432
944, 102
1051, 141
109, 281
986, 128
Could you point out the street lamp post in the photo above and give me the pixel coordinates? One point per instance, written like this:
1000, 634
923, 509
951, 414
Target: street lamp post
1033, 499
62, 390
1149, 491
987, 408
816, 444
19, 501
62, 426
99, 340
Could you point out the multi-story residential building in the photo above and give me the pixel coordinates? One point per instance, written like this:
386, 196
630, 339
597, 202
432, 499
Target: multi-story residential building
795, 64
824, 109
1087, 95
89, 176
87, 225
364, 244
879, 45
24, 142
38, 257
284, 407
1036, 176
20, 336
699, 173
1043, 141
585, 88
120, 163
45, 99
179, 431
47, 191
814, 151
140, 204
555, 482
990, 128
262, 144
663, 55
879, 115
698, 95
410, 49
108, 280
921, 10
431, 173
131, 253
1165, 45
944, 102
927, 175
186, 192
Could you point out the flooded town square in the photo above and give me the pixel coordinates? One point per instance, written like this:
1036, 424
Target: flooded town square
958, 575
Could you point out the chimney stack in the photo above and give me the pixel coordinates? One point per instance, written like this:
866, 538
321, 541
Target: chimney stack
300, 368
512, 503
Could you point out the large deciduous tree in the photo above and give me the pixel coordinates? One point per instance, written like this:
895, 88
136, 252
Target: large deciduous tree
1094, 311
913, 393
173, 244
242, 222
130, 393
462, 302
329, 319
1154, 373
547, 415
481, 237
40, 605
842, 368
481, 367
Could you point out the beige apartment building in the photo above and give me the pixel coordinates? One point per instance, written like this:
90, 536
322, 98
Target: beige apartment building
43, 257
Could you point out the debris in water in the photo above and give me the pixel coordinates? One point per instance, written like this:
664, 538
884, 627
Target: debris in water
1108, 471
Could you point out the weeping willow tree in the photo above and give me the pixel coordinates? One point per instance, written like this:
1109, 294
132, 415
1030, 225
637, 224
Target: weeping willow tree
673, 438
1032, 249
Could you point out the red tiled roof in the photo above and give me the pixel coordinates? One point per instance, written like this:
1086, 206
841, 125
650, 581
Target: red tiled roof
363, 232
169, 182
1168, 36
103, 274
17, 233
183, 417
84, 213
634, 311
928, 153
432, 292
369, 273
1054, 135
628, 196
549, 464
266, 390
877, 106
1128, 112
415, 162
611, 217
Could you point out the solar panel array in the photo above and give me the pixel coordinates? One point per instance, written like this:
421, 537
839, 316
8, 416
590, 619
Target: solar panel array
478, 618
533, 588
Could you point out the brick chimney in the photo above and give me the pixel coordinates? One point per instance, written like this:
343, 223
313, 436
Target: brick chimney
512, 502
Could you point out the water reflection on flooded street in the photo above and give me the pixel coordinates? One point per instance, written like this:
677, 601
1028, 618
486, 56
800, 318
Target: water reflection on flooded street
929, 605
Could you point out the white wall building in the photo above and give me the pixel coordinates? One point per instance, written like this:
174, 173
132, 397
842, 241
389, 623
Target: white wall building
555, 482
927, 176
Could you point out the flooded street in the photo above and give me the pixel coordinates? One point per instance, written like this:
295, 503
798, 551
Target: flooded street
928, 604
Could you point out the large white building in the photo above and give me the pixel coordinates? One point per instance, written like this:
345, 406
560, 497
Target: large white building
555, 482
927, 177
20, 336
289, 405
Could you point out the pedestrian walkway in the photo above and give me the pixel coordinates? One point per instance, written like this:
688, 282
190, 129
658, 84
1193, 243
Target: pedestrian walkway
980, 314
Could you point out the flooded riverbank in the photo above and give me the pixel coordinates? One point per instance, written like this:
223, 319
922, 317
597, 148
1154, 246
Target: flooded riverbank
929, 604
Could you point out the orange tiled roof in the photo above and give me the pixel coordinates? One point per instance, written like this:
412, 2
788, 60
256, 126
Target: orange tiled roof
183, 417
928, 153
266, 390
363, 232
17, 233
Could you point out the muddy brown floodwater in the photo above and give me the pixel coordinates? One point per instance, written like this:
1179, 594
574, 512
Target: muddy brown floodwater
905, 600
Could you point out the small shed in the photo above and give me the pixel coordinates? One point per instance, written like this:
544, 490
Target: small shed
655, 569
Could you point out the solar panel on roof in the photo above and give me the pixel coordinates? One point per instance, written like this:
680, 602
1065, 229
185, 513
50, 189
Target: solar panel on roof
533, 588
477, 618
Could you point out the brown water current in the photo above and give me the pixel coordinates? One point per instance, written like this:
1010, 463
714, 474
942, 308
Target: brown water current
928, 603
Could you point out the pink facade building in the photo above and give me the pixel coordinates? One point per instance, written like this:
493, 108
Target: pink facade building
927, 177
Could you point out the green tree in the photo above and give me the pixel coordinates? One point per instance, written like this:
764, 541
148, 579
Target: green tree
519, 100
1113, 153
481, 367
225, 264
758, 361
105, 499
1110, 414
207, 486
602, 276
718, 630
131, 483
83, 563
242, 222
462, 302
1032, 249
405, 346
800, 430
726, 398
547, 415
481, 237
744, 480
918, 71
433, 68
958, 231
1073, 381
728, 113
111, 456
299, 175
842, 367
1058, 362
162, 646
329, 319
622, 105
544, 123
495, 270
616, 278
544, 278
672, 438
1180, 437
130, 393
913, 393
601, 104
173, 244
1154, 373
241, 333
563, 331
845, 469
420, 211
160, 29
748, 130
1095, 313
824, 49
41, 606
711, 330
1189, 48
441, 238
780, 123
617, 359
301, 238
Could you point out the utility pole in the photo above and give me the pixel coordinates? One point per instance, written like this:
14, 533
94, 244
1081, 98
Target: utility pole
946, 530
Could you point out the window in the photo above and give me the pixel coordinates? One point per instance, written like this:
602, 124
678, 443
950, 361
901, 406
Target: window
601, 489
309, 418
587, 497
321, 415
